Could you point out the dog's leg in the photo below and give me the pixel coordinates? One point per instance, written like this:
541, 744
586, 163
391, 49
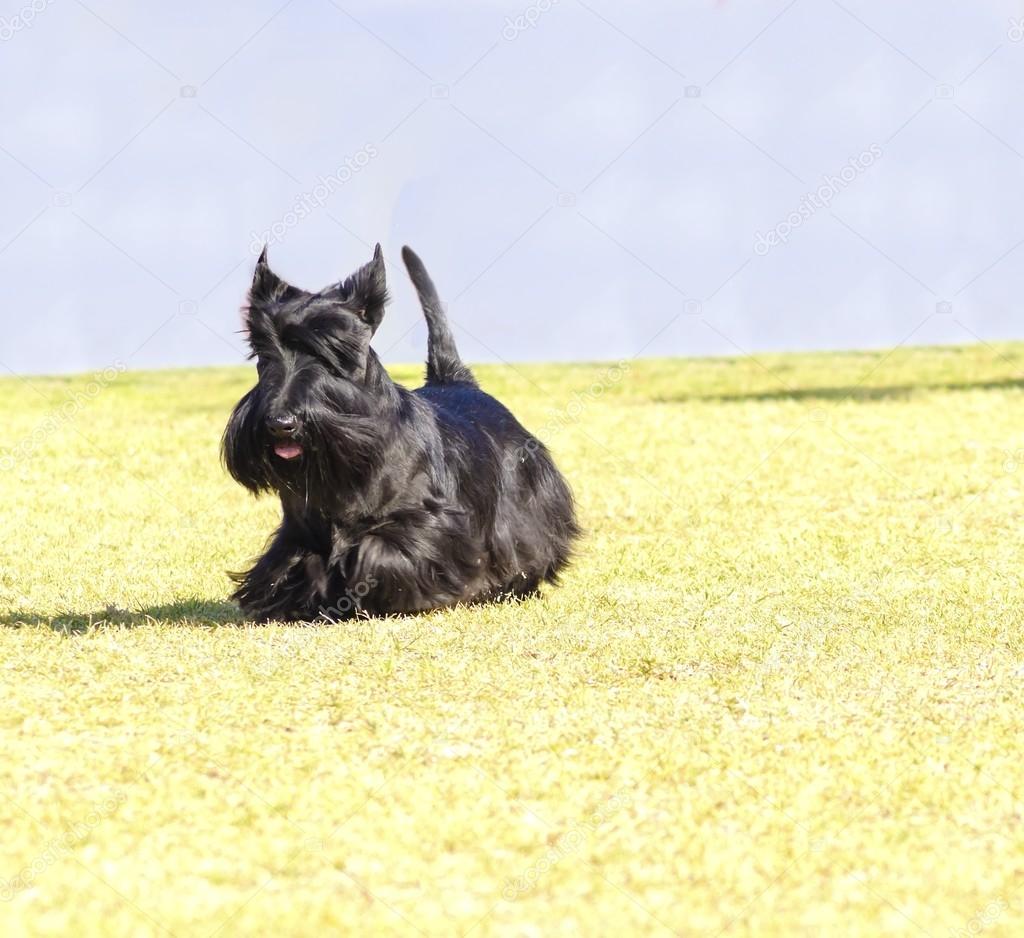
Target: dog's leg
288, 583
395, 577
422, 561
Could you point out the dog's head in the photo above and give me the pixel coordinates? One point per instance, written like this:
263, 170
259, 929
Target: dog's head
313, 418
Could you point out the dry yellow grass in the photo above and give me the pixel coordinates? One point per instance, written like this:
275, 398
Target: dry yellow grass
778, 693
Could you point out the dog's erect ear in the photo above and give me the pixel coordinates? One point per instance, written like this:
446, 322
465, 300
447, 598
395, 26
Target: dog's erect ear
366, 291
266, 285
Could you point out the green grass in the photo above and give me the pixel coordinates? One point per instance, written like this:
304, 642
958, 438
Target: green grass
779, 692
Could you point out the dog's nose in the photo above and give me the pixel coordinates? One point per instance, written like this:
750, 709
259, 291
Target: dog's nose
283, 426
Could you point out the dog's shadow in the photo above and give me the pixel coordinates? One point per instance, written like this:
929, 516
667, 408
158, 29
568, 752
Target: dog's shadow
191, 612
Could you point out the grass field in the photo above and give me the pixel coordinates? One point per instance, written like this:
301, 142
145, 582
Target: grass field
777, 694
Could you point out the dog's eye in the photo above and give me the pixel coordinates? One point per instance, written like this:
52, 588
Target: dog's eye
321, 354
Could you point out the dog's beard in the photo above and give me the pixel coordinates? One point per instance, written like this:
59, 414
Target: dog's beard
339, 454
334, 454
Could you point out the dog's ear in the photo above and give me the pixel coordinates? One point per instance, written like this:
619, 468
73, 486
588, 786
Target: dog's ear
366, 291
267, 286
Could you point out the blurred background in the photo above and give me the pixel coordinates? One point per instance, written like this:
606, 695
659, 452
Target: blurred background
585, 179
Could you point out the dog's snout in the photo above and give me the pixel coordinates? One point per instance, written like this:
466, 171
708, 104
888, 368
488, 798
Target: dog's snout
283, 426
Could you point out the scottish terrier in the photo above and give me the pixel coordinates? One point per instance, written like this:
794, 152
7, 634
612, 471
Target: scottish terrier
394, 501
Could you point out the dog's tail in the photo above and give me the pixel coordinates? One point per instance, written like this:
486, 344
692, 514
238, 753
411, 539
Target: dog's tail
443, 362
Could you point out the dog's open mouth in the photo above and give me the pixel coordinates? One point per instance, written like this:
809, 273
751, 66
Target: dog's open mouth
288, 450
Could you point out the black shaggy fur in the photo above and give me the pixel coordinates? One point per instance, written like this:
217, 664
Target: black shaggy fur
394, 501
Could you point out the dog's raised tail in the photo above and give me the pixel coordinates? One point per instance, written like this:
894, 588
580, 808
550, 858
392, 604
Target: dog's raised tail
443, 362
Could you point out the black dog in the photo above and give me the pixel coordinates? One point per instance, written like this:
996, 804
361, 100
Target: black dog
394, 500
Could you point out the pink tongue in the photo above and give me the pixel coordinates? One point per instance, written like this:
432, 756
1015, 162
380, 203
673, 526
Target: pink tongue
288, 450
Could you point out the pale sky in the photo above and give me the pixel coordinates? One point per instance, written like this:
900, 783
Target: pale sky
584, 180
